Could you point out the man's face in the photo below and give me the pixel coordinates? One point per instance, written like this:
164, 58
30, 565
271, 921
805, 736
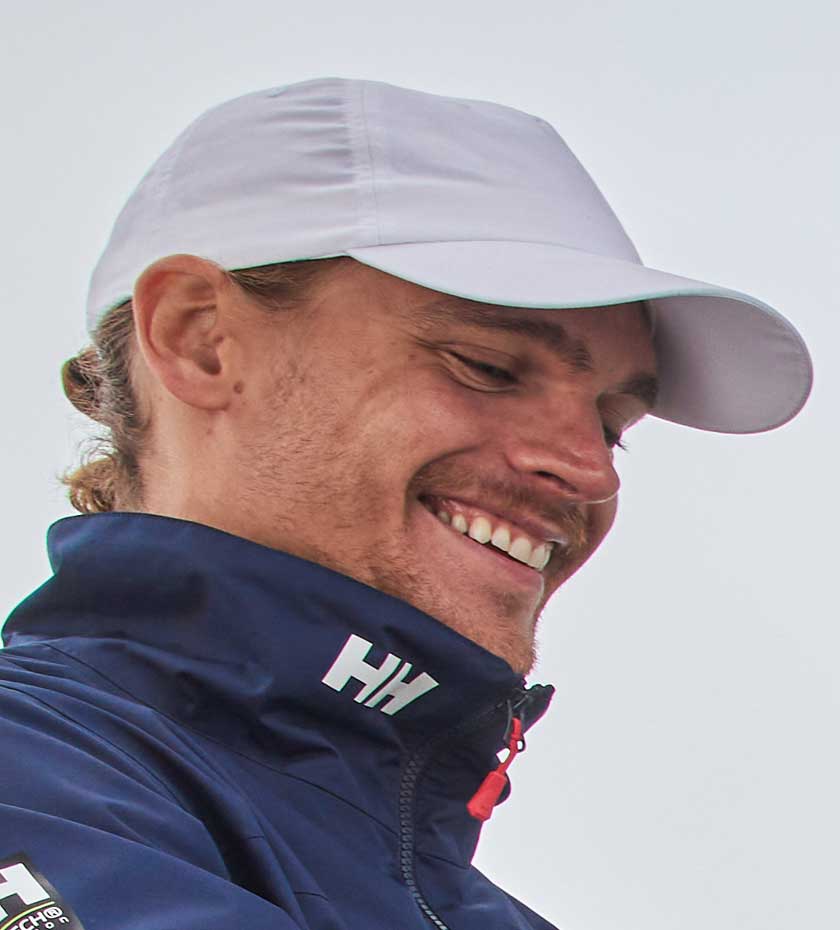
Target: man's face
379, 428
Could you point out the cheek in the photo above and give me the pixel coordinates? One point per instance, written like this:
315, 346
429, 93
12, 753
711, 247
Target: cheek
449, 412
420, 413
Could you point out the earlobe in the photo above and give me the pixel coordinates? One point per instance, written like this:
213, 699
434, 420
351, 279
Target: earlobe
184, 337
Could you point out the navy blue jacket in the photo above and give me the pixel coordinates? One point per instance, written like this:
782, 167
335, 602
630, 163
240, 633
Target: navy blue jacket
201, 732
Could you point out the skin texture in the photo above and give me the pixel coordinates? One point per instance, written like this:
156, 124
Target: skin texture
317, 431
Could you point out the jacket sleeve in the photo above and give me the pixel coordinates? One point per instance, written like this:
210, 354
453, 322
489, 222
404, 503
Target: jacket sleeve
106, 835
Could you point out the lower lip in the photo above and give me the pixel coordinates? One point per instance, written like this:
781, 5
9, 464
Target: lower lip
513, 573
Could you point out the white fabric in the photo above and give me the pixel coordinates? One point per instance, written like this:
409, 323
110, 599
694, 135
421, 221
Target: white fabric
465, 197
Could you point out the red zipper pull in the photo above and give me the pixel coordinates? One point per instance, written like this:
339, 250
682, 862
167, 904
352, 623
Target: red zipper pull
484, 800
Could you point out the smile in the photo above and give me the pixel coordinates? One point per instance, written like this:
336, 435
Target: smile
487, 528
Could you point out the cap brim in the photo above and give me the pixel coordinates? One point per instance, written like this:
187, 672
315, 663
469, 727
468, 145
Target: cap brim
727, 362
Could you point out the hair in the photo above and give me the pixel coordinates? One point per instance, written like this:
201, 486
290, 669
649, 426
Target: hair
98, 382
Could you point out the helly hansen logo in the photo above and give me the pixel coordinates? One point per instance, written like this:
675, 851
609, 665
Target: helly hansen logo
28, 901
378, 682
16, 880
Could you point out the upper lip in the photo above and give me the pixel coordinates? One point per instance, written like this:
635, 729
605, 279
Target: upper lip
532, 524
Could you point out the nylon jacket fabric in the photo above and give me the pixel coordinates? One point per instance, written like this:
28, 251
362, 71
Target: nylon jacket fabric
173, 758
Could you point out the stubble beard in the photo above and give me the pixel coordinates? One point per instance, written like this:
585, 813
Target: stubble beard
502, 624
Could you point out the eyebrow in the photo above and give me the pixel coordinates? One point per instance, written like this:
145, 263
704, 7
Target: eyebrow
551, 334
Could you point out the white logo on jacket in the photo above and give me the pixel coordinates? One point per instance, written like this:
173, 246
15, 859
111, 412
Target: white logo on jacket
18, 880
377, 681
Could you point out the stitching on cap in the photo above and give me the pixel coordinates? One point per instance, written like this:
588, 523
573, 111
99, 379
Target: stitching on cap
371, 162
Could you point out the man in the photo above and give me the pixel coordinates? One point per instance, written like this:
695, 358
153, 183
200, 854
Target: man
364, 354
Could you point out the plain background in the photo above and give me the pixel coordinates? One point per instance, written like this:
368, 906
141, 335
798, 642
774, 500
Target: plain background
686, 776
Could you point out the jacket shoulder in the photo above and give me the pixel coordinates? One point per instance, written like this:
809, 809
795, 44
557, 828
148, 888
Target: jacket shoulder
70, 746
87, 804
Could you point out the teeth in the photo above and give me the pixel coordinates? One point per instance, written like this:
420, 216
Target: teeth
459, 523
501, 539
480, 529
540, 556
520, 550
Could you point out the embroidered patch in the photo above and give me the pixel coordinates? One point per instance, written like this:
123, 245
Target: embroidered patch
28, 901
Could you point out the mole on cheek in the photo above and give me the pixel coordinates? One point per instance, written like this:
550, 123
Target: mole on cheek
239, 387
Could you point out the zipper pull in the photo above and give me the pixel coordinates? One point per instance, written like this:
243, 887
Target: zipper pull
485, 799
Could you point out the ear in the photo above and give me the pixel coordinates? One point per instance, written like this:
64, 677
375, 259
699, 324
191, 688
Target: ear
187, 340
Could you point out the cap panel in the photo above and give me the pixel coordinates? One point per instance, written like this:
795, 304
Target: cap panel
268, 177
449, 169
134, 233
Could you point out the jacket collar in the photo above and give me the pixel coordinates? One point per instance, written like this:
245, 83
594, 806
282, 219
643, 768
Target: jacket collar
234, 640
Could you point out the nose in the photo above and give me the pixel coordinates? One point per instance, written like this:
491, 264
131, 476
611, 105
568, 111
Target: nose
563, 448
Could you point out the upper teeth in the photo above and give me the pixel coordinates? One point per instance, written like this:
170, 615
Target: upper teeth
481, 530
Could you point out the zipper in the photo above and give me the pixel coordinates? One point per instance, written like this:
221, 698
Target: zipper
516, 703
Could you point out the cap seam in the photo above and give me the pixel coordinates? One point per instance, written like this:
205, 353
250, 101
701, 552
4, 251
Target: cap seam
365, 168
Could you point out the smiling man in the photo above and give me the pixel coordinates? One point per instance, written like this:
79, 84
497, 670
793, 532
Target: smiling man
363, 355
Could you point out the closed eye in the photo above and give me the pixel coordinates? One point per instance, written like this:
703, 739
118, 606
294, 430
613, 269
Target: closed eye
502, 375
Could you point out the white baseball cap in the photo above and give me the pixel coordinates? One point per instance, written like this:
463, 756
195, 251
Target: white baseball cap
466, 197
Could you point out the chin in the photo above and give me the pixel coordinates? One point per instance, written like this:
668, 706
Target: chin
499, 623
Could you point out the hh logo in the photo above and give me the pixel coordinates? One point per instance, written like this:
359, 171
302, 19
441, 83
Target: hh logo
378, 682
28, 901
18, 880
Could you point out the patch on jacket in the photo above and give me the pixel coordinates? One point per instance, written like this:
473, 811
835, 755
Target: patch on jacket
28, 901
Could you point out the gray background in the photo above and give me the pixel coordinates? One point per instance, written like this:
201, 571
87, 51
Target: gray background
686, 776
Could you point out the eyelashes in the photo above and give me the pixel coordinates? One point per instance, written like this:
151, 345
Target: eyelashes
614, 439
500, 375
